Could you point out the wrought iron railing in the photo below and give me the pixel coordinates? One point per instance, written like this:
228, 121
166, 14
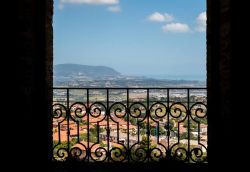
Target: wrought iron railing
130, 124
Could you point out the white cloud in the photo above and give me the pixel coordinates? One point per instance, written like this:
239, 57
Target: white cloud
158, 17
114, 9
90, 1
176, 27
201, 22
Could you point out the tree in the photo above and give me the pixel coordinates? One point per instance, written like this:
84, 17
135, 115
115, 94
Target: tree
73, 142
161, 131
102, 144
169, 125
145, 143
142, 125
153, 131
133, 121
185, 136
201, 120
192, 124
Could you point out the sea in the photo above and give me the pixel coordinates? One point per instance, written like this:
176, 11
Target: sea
179, 77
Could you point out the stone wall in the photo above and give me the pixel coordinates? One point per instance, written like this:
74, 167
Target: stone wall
31, 82
219, 84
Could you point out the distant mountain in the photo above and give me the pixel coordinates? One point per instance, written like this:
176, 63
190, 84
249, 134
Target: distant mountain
76, 75
69, 70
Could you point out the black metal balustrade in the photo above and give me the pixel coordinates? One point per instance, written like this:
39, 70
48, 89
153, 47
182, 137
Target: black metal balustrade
130, 124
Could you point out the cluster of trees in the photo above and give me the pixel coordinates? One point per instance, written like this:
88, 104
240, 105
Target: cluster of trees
92, 134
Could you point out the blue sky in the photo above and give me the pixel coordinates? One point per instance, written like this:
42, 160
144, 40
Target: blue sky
140, 37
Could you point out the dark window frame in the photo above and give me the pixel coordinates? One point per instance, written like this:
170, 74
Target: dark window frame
213, 79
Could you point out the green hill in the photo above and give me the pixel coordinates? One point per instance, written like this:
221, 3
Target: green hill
68, 70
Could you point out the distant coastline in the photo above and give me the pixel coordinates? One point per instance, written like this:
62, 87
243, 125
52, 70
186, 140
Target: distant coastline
93, 71
178, 77
75, 75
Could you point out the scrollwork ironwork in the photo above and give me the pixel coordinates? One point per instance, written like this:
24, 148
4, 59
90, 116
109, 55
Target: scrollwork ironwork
60, 153
143, 131
98, 154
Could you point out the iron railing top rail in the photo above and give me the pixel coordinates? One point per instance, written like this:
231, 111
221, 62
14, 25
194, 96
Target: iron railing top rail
131, 88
